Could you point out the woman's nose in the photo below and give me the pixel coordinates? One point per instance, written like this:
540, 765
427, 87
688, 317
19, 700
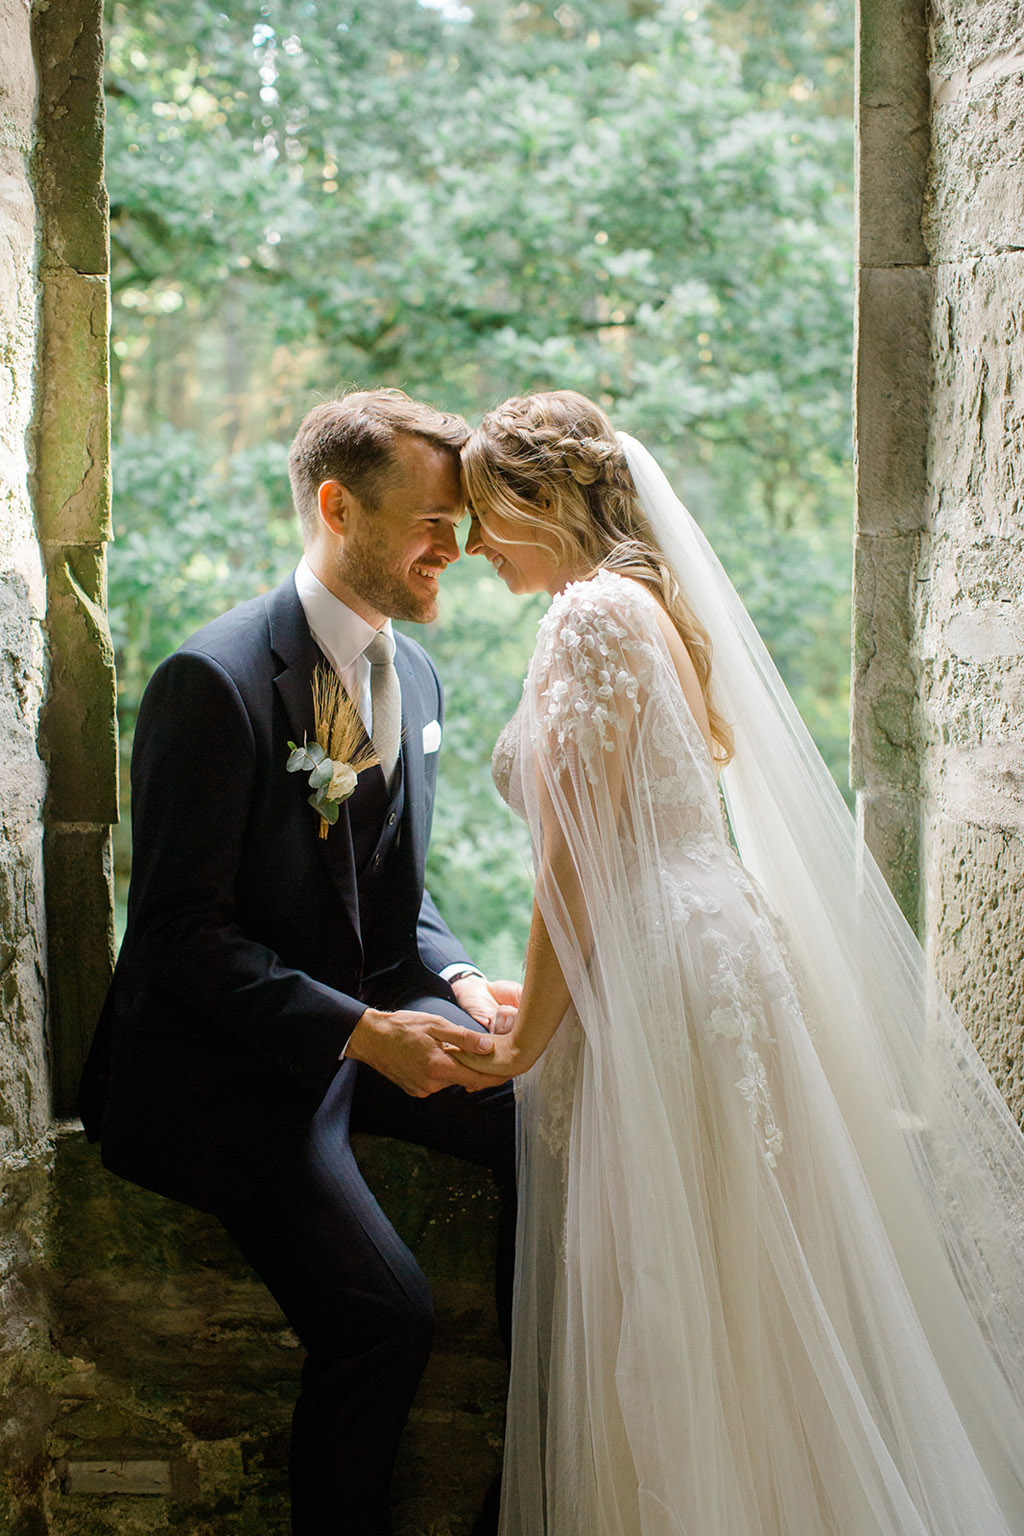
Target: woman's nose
474, 538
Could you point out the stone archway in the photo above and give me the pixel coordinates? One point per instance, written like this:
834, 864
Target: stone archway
938, 751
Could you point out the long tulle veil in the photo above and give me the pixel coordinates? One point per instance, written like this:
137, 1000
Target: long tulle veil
897, 1055
770, 1265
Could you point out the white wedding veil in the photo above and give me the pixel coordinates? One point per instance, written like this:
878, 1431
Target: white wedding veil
928, 1123
770, 1260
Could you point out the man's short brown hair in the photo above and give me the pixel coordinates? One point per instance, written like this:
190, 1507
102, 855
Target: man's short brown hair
352, 439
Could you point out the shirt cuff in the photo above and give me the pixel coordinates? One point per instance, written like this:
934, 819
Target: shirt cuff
453, 972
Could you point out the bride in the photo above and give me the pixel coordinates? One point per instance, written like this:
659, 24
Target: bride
770, 1278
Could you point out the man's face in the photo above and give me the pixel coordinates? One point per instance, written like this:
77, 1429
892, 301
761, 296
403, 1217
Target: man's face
391, 558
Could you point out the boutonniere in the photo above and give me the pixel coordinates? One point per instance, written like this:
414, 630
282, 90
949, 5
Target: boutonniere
339, 752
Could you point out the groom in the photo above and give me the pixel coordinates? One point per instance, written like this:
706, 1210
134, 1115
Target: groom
277, 988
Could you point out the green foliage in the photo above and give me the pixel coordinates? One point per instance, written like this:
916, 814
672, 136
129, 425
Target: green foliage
623, 196
193, 537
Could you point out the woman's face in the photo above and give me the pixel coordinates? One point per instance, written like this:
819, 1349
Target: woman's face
523, 567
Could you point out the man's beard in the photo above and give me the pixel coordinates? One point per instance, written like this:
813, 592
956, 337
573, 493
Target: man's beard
364, 568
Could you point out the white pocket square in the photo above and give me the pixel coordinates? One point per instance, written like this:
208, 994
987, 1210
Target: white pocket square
432, 736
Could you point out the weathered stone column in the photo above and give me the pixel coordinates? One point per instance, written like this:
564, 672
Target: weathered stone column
970, 624
72, 496
24, 1091
891, 403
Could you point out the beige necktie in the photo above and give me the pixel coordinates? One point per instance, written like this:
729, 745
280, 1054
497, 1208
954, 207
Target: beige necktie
386, 699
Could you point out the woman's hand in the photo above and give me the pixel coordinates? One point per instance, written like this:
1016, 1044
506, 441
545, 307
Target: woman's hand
492, 1003
505, 1060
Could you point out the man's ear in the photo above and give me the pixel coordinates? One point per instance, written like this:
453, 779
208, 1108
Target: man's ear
335, 502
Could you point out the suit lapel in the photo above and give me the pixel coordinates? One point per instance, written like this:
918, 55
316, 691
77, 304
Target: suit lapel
293, 644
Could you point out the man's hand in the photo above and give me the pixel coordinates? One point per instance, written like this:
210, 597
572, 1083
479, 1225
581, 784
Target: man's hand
414, 1051
492, 1003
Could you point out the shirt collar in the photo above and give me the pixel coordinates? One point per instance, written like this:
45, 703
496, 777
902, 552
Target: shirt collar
339, 630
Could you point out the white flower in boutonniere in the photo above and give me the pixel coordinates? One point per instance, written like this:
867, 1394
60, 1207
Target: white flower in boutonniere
338, 755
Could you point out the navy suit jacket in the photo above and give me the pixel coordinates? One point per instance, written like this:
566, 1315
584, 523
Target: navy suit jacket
241, 974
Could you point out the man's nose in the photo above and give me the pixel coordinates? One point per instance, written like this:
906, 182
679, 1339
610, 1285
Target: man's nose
445, 543
474, 538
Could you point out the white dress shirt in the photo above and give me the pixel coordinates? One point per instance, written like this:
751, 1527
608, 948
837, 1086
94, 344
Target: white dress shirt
343, 637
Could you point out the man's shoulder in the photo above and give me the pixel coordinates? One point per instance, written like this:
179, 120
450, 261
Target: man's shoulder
236, 638
241, 627
417, 658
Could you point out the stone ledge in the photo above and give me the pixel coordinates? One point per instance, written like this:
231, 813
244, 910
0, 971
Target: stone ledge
175, 1361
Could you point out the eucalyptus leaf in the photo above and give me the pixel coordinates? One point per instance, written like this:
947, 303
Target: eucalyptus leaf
299, 759
315, 752
322, 774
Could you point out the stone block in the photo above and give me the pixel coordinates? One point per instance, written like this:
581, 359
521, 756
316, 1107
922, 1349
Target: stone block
80, 948
24, 1078
22, 655
967, 703
17, 74
72, 481
977, 434
982, 785
892, 132
79, 725
970, 634
972, 42
26, 1359
884, 717
123, 1477
975, 922
18, 294
890, 824
892, 398
976, 187
69, 162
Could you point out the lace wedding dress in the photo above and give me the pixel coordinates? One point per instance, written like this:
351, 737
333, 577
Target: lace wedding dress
768, 1277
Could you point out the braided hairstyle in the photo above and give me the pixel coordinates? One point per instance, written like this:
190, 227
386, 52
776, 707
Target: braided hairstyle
550, 462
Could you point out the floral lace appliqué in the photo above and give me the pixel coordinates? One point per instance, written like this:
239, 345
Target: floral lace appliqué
590, 672
744, 981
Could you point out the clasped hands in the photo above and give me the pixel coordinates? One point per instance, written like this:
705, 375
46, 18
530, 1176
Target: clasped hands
422, 1053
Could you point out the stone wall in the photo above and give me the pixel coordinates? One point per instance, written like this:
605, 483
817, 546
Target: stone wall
24, 1078
24, 1085
938, 728
174, 1373
57, 762
969, 633
57, 702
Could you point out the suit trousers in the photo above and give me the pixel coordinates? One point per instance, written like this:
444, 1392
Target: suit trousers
352, 1290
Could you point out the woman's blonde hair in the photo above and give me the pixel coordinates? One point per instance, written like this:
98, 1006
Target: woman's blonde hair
551, 463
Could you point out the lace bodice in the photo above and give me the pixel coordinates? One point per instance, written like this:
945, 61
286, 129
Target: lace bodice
604, 725
602, 679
